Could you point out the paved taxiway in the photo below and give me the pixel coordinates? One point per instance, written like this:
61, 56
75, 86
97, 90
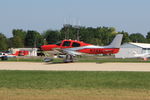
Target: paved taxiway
75, 66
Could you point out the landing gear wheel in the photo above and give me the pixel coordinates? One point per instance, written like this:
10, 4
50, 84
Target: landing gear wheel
68, 59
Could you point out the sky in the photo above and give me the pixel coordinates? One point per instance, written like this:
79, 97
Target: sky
132, 16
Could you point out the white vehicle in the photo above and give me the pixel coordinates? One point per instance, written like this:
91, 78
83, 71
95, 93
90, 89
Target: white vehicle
2, 54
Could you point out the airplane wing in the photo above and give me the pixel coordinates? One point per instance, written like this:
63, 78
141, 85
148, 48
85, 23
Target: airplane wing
73, 53
141, 55
67, 51
58, 50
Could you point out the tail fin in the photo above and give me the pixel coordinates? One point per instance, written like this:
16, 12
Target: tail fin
116, 41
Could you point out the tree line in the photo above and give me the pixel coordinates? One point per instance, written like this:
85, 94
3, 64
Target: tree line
97, 36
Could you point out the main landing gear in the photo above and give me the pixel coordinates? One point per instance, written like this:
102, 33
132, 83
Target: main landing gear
67, 59
48, 59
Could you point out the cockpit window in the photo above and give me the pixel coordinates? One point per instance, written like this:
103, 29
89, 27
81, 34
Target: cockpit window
75, 44
66, 43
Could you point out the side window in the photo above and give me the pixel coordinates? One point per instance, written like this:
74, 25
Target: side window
58, 44
75, 44
66, 43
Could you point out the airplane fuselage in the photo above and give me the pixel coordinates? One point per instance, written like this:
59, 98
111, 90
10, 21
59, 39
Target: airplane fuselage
79, 46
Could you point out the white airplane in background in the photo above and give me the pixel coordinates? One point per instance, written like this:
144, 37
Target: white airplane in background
142, 55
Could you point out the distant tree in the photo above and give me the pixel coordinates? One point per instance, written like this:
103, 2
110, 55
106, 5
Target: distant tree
10, 44
19, 33
69, 32
83, 35
106, 34
98, 36
137, 37
17, 42
3, 42
126, 38
148, 37
95, 41
33, 39
88, 35
51, 36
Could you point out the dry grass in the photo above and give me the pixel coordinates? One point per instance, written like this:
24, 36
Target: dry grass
74, 94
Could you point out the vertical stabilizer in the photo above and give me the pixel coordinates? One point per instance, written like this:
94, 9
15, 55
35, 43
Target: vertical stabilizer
116, 41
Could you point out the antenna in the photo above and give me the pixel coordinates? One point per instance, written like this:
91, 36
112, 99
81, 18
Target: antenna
65, 21
78, 29
74, 22
79, 23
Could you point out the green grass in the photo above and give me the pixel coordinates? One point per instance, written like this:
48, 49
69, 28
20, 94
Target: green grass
115, 60
69, 80
25, 59
107, 59
84, 59
29, 59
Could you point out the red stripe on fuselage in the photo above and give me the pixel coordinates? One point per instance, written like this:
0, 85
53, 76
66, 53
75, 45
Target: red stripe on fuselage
48, 47
100, 51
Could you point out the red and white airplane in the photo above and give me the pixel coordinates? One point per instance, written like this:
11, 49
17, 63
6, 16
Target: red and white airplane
72, 48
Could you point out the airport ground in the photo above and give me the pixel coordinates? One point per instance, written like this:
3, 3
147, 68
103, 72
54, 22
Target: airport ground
72, 81
140, 67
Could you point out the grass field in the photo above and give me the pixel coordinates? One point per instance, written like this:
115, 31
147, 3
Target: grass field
51, 85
